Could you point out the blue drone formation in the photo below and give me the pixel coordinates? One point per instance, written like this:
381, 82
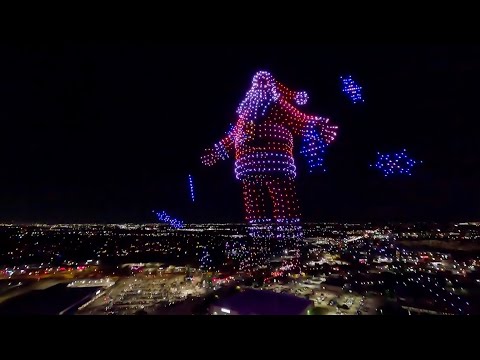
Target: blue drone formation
164, 217
190, 182
313, 148
398, 163
353, 90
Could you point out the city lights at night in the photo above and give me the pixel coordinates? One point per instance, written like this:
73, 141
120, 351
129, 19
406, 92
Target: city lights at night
292, 180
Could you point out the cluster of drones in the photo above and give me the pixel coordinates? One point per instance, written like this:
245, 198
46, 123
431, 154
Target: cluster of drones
164, 217
389, 163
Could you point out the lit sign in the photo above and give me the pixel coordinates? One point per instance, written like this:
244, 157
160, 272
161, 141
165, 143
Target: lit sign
225, 310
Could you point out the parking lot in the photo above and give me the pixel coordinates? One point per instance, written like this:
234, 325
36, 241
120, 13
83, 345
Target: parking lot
331, 300
144, 294
345, 304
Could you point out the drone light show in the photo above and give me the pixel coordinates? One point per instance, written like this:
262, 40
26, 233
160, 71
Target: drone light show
313, 148
397, 163
164, 217
352, 89
262, 140
190, 182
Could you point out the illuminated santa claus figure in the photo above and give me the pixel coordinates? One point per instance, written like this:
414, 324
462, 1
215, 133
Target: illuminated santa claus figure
262, 139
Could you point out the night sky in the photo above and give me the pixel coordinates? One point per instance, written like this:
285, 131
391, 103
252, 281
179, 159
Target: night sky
109, 132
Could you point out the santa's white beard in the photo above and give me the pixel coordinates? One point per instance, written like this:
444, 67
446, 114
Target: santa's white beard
256, 104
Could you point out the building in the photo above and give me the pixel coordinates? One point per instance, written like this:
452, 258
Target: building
259, 302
